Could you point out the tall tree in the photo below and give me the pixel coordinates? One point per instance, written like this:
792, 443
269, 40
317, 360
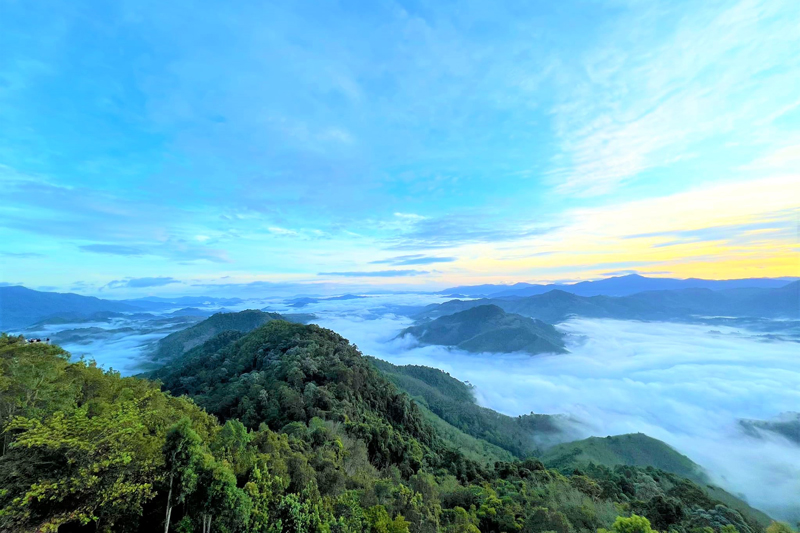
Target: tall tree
182, 452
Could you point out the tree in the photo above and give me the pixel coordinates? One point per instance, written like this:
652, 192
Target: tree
779, 527
32, 381
181, 453
217, 498
107, 466
632, 524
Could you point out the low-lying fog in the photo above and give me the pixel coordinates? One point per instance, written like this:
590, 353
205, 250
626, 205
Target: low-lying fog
687, 385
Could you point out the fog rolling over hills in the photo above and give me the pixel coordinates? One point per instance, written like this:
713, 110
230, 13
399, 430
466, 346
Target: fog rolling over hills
454, 402
640, 450
313, 433
487, 328
710, 387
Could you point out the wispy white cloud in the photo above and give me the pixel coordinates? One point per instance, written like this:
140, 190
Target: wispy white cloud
376, 273
140, 283
648, 98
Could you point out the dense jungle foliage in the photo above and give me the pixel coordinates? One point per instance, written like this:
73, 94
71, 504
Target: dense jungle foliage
287, 428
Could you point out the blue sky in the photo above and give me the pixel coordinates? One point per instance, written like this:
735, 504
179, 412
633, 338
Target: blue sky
149, 147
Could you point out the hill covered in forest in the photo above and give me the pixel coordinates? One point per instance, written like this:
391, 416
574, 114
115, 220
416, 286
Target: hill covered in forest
453, 401
289, 428
639, 450
177, 343
487, 328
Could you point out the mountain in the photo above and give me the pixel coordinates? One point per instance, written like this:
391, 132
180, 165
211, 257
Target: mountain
306, 435
304, 301
157, 303
633, 450
487, 328
639, 450
787, 426
616, 286
176, 344
21, 307
281, 375
681, 304
466, 291
453, 402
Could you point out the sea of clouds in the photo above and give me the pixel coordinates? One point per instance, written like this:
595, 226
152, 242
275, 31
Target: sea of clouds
685, 384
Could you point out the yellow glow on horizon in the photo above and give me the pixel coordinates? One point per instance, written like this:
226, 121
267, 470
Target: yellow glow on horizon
662, 235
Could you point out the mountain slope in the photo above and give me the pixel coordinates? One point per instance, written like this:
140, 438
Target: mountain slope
285, 373
325, 444
452, 401
633, 450
642, 451
176, 344
487, 328
283, 376
21, 307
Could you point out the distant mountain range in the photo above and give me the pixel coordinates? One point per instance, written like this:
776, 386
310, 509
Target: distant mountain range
304, 301
618, 297
487, 328
614, 286
21, 307
557, 305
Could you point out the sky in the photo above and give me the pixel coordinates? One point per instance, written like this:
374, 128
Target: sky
190, 146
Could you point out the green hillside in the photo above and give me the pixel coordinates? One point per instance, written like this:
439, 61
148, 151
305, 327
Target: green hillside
453, 402
487, 328
306, 436
638, 449
176, 344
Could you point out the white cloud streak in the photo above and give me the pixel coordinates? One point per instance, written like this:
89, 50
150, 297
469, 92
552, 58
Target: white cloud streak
634, 105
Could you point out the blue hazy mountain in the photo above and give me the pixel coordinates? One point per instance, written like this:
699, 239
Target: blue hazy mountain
487, 328
305, 300
557, 305
616, 286
21, 307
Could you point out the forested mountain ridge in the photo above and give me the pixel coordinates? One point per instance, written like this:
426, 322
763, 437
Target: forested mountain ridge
176, 344
640, 450
326, 444
487, 328
453, 401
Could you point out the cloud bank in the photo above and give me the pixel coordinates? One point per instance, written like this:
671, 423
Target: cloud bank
687, 385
